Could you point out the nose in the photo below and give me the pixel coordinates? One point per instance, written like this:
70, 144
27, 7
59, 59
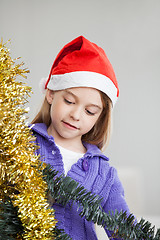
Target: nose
75, 114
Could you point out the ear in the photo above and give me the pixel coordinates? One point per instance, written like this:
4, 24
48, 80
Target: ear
49, 96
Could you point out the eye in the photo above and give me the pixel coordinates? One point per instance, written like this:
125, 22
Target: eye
67, 101
90, 113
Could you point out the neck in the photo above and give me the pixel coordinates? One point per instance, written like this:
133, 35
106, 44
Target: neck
68, 143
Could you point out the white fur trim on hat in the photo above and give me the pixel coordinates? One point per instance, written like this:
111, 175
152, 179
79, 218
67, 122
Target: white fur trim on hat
84, 79
42, 84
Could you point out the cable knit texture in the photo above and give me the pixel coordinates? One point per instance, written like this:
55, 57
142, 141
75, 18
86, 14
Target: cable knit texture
93, 172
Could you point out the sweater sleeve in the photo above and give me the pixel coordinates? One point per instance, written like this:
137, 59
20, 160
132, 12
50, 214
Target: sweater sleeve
116, 199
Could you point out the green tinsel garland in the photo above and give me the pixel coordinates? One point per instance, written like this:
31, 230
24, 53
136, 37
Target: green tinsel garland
65, 189
10, 223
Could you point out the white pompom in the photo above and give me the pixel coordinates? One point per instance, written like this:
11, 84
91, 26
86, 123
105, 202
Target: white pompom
42, 84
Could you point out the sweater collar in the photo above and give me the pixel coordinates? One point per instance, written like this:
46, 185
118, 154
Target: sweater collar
41, 129
92, 150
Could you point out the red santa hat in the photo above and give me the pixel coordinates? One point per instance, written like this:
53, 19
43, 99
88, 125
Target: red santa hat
82, 63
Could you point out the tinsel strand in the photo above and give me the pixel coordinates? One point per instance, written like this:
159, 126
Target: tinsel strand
20, 170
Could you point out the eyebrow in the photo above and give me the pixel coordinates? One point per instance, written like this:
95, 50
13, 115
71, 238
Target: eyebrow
91, 104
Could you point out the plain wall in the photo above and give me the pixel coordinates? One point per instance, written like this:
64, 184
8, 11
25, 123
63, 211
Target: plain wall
129, 32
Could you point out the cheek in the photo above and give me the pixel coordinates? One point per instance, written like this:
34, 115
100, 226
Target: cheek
90, 122
54, 111
57, 110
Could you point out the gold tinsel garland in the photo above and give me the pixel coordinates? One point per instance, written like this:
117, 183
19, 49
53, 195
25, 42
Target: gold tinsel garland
20, 169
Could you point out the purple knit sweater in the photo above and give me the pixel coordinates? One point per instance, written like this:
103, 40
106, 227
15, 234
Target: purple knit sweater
93, 172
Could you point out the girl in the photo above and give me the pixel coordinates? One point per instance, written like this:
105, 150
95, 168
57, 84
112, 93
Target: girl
73, 126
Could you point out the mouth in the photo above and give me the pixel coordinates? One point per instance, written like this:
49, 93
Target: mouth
70, 126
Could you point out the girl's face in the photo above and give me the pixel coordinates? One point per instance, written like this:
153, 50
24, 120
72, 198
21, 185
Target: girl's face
74, 112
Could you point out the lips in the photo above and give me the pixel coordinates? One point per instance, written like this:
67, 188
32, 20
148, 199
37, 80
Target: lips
70, 126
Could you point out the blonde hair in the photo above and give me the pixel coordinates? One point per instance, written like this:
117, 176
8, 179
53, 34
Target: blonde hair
99, 135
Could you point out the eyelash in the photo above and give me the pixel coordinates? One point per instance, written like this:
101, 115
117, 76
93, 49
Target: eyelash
87, 111
68, 102
90, 113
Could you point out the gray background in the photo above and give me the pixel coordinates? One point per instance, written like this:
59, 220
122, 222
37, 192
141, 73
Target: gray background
129, 32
